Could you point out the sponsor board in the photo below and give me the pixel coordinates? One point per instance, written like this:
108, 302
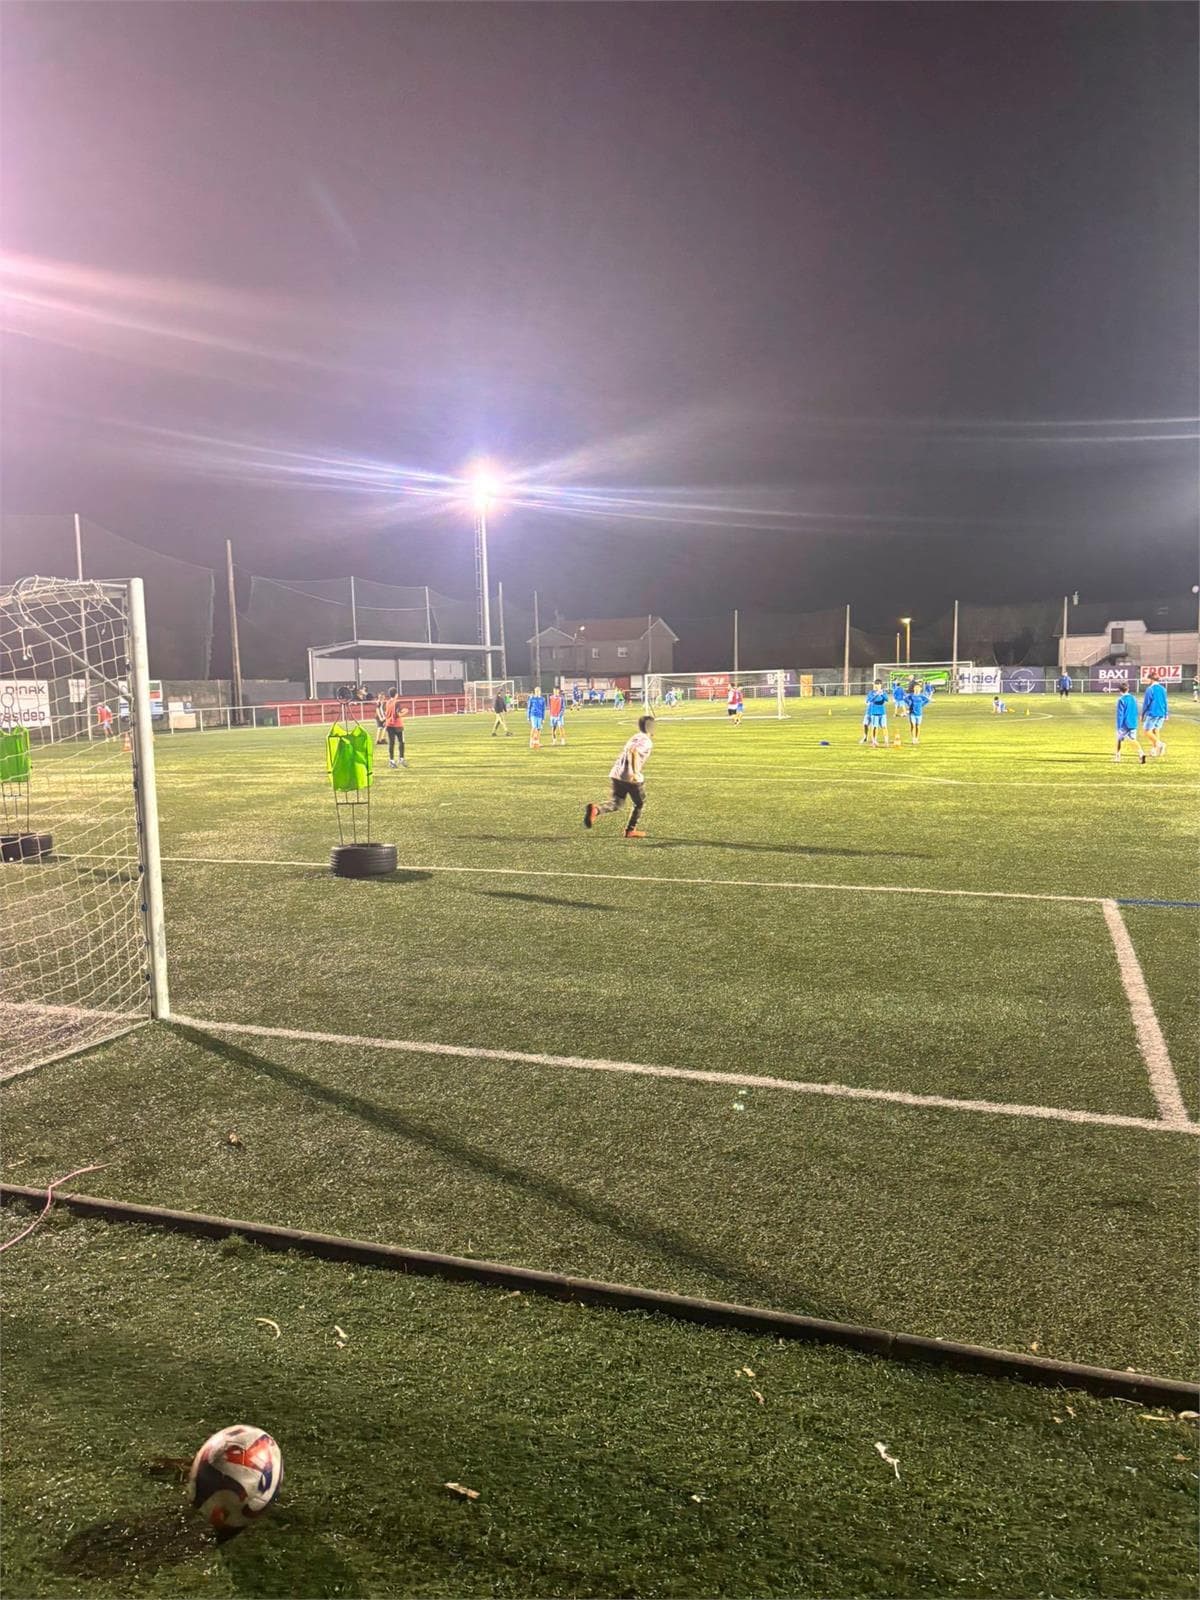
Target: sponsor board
24, 703
1162, 674
712, 685
1023, 680
979, 680
1112, 680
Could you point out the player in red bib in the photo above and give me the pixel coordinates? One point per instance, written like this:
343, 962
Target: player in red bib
558, 712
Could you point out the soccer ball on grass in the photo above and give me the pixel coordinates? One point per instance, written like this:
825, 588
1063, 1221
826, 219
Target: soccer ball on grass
234, 1477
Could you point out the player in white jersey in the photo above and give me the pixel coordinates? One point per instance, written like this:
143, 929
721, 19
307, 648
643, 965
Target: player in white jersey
628, 781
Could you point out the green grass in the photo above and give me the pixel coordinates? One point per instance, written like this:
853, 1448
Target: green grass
586, 1433
1078, 1239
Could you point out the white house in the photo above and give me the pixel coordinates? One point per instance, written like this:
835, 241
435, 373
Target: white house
1132, 641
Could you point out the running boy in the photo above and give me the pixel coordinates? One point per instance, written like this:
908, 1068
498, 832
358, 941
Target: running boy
898, 698
735, 706
536, 712
1127, 725
500, 707
1154, 714
628, 781
558, 713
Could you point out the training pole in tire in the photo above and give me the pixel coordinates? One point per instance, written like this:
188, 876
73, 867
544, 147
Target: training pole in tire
350, 762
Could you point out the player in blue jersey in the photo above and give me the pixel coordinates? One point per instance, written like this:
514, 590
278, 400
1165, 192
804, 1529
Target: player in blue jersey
535, 710
1154, 714
915, 702
999, 706
875, 716
898, 698
1127, 724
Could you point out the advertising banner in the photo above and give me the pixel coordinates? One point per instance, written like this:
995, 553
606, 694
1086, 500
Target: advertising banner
1024, 680
24, 703
1162, 674
712, 686
979, 680
1112, 680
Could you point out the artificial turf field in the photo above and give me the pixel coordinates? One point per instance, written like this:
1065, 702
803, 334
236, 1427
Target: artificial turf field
768, 927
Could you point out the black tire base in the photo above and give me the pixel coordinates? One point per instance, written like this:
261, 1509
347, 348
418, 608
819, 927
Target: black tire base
362, 860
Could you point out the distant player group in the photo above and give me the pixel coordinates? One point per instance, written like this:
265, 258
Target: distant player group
627, 775
909, 704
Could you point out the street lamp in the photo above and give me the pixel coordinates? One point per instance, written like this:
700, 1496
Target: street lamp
484, 487
906, 623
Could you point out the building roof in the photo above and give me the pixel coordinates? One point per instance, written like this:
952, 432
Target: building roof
606, 630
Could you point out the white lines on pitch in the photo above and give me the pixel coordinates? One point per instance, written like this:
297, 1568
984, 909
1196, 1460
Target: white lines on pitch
746, 1080
1151, 1043
645, 877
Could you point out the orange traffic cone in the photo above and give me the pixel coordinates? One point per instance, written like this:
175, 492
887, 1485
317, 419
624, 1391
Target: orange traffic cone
127, 743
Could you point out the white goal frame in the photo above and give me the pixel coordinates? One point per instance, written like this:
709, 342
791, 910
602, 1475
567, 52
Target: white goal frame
764, 691
71, 651
480, 693
887, 670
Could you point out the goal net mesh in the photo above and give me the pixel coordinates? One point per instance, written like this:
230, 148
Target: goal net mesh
707, 693
73, 950
480, 693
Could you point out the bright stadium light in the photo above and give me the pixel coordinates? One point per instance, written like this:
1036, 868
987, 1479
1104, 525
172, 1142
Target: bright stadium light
906, 623
484, 485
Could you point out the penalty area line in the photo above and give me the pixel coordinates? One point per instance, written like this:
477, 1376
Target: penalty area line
747, 1080
1163, 1083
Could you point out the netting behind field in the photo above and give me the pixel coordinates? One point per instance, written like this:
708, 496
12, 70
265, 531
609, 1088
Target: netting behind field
284, 617
73, 954
179, 594
803, 639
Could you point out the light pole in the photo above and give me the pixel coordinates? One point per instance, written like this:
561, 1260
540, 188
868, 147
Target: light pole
906, 623
484, 489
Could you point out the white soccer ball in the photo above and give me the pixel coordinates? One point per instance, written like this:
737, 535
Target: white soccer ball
235, 1476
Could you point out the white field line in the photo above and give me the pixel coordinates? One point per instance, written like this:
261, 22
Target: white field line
680, 779
836, 1091
645, 877
1151, 1043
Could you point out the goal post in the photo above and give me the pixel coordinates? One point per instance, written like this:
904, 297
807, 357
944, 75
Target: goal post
82, 930
942, 675
480, 693
764, 693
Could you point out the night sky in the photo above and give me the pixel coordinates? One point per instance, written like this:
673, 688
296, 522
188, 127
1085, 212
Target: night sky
773, 306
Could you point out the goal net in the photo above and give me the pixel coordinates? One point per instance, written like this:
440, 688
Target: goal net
764, 693
481, 692
82, 955
941, 675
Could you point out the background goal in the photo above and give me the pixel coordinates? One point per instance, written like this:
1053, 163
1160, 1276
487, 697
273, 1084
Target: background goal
82, 947
481, 692
942, 675
706, 693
